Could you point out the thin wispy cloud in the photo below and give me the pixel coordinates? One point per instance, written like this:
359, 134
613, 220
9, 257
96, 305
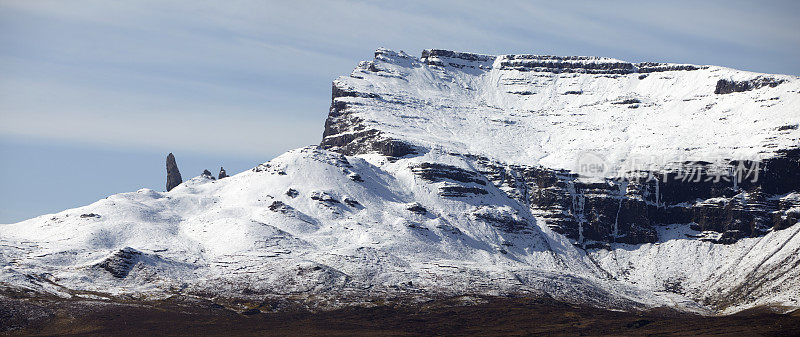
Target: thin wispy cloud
193, 74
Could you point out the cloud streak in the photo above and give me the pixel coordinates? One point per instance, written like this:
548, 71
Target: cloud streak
253, 77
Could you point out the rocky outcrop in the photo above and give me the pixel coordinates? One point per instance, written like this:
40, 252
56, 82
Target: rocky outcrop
501, 218
726, 86
788, 211
207, 175
629, 211
345, 133
121, 262
279, 206
566, 64
586, 65
653, 67
417, 208
452, 181
442, 58
435, 172
173, 175
222, 173
351, 202
323, 197
547, 63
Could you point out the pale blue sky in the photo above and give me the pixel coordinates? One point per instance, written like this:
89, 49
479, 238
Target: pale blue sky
93, 94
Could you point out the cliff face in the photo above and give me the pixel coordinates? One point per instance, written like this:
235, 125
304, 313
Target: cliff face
625, 210
708, 146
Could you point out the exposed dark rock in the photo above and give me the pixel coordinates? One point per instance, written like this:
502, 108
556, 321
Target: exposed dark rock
628, 101
603, 212
725, 86
207, 174
418, 226
292, 193
417, 208
652, 67
121, 262
549, 63
786, 219
345, 134
90, 215
337, 92
565, 64
267, 167
368, 141
788, 211
434, 172
455, 191
731, 236
739, 217
222, 173
395, 148
173, 175
351, 202
323, 197
433, 57
449, 229
279, 206
502, 221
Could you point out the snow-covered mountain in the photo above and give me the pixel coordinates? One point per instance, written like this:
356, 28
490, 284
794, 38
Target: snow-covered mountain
458, 174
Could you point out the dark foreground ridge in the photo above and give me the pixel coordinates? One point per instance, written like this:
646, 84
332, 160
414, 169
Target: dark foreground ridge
462, 316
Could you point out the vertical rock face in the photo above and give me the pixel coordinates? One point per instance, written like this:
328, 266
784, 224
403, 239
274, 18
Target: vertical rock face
727, 86
631, 211
222, 173
527, 121
173, 175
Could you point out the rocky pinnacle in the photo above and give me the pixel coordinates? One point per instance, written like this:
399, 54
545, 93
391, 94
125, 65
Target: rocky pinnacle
173, 175
222, 173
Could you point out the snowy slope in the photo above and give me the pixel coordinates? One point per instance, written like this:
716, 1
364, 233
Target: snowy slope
334, 234
320, 226
754, 271
245, 232
485, 105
